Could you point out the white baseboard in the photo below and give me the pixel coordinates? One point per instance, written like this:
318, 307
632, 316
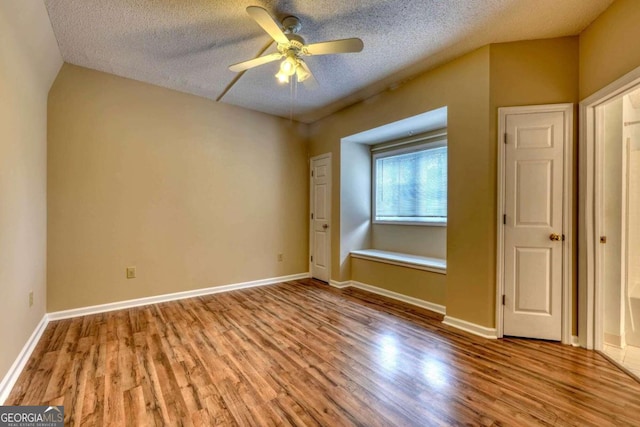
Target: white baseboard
400, 297
575, 341
614, 340
103, 308
473, 328
482, 331
340, 285
15, 370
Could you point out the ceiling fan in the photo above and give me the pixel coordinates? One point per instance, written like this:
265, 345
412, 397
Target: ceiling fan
292, 47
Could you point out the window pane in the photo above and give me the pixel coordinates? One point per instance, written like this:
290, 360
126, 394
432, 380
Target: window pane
412, 186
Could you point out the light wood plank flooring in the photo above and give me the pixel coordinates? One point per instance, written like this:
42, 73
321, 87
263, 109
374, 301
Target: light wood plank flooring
302, 353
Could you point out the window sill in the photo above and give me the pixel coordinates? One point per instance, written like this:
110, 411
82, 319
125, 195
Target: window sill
420, 223
434, 265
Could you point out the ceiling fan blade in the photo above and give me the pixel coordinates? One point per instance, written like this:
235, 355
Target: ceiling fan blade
261, 60
240, 74
262, 17
335, 46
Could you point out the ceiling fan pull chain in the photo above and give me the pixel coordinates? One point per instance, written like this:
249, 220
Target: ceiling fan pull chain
291, 93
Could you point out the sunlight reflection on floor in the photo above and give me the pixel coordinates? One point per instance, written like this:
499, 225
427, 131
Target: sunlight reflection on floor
435, 372
388, 355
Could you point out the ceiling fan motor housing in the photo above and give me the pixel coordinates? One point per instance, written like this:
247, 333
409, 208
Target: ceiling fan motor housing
295, 41
291, 24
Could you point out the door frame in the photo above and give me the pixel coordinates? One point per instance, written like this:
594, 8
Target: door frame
329, 212
567, 212
590, 316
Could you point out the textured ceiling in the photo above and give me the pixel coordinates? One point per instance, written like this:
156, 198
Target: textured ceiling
188, 45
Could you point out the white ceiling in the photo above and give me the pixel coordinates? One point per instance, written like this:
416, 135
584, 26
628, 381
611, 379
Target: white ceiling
188, 45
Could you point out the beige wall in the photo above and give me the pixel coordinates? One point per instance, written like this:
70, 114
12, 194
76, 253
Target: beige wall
355, 201
462, 86
29, 59
410, 239
420, 284
609, 47
128, 159
470, 238
472, 87
191, 192
531, 73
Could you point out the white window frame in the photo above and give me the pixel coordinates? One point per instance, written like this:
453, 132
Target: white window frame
441, 142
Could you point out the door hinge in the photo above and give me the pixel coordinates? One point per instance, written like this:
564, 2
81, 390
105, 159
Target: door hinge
504, 219
312, 173
311, 258
504, 299
505, 138
312, 216
563, 237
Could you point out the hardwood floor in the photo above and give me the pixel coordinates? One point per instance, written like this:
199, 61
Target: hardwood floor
302, 353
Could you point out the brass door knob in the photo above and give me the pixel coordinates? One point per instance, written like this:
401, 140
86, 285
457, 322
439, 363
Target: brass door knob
325, 226
554, 237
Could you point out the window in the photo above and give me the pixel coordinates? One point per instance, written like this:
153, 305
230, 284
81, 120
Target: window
410, 185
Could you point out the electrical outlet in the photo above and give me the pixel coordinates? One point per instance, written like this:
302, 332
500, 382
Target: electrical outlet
131, 272
280, 257
30, 298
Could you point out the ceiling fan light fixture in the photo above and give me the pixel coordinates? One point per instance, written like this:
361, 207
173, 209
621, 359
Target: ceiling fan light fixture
302, 74
282, 77
288, 66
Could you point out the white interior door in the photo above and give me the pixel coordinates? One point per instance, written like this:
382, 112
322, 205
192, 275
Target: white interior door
320, 235
533, 221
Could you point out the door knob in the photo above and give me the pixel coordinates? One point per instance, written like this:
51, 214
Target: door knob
554, 237
325, 226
